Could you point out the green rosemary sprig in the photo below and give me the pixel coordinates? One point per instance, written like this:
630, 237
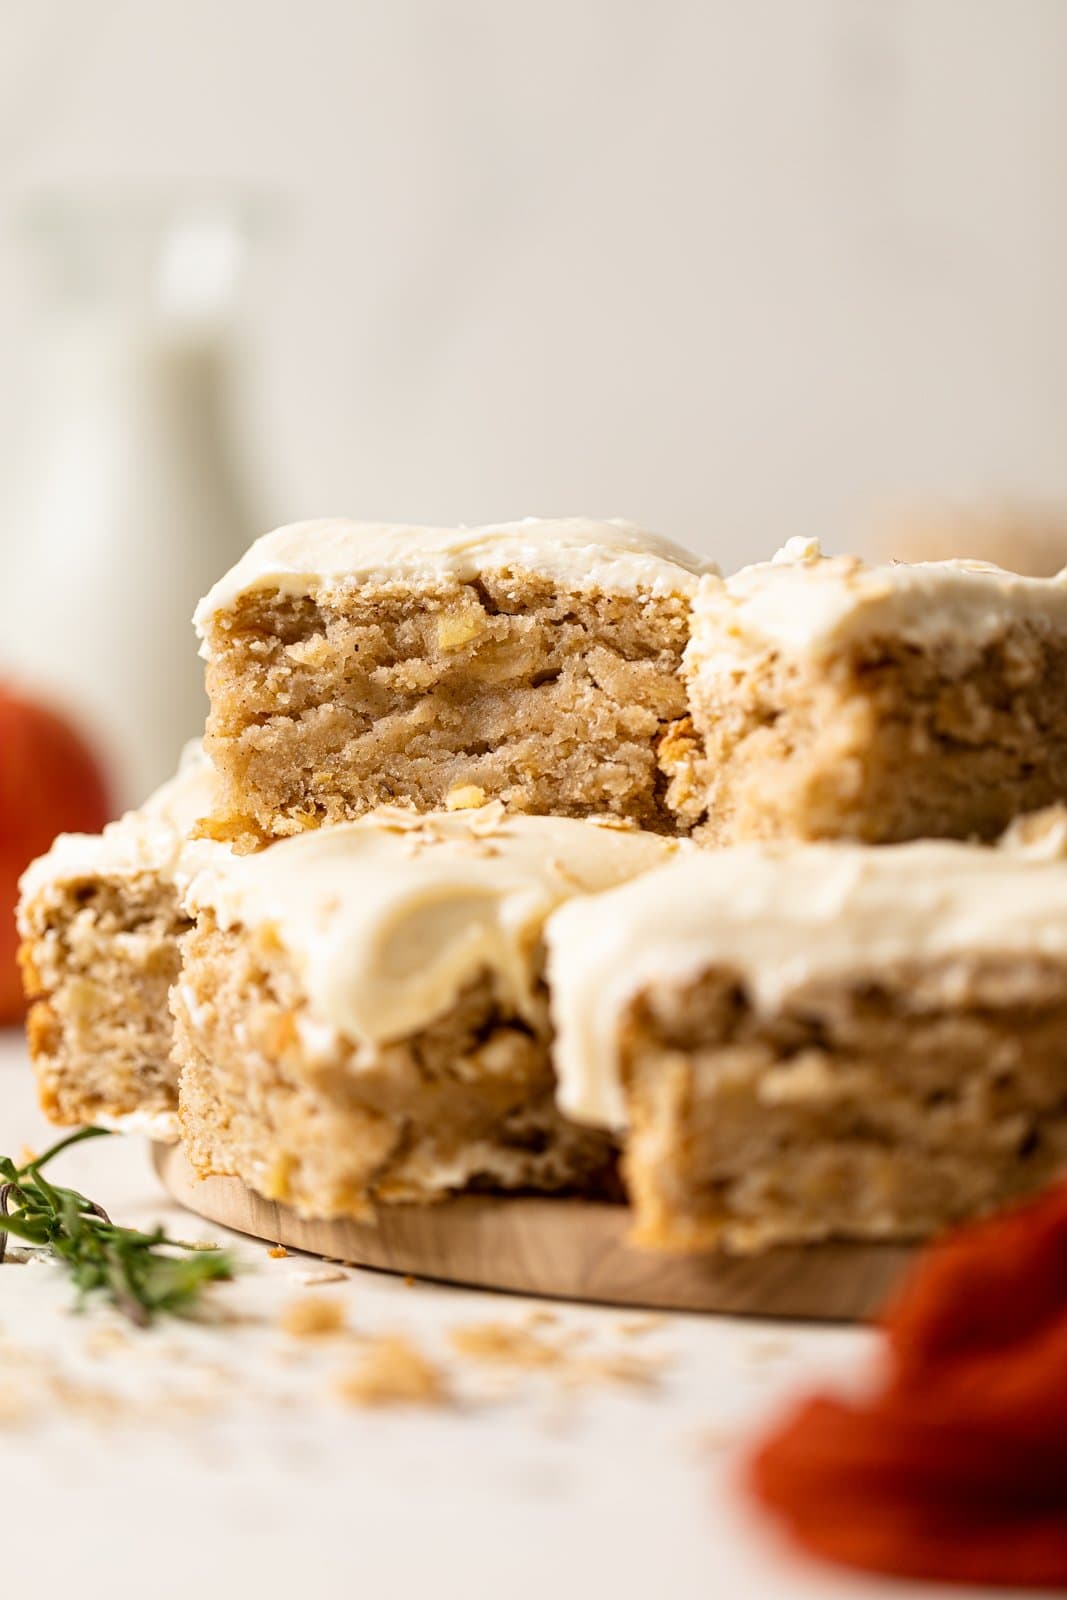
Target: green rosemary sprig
144, 1275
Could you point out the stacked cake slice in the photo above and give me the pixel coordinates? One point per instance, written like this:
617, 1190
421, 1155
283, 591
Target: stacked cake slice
535, 662
362, 1012
806, 1041
834, 700
100, 920
434, 754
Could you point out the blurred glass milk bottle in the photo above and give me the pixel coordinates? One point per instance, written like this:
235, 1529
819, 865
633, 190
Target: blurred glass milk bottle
123, 505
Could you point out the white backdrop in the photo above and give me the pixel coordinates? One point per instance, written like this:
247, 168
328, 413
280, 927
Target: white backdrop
735, 268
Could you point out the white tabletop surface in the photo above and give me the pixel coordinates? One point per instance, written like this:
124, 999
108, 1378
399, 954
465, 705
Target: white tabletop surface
218, 1461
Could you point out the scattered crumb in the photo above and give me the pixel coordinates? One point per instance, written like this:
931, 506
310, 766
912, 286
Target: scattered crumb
770, 1349
392, 1371
74, 1398
504, 1342
624, 1367
277, 1252
517, 1345
327, 1275
15, 1406
637, 1327
312, 1317
106, 1340
409, 1281
539, 1318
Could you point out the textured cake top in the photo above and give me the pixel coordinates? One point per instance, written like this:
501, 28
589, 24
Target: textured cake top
307, 557
806, 603
149, 839
388, 918
780, 917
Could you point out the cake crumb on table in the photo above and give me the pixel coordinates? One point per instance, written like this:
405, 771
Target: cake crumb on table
638, 1327
504, 1342
312, 1317
516, 1345
393, 1371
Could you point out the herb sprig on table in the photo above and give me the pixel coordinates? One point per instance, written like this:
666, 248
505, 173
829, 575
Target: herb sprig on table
144, 1275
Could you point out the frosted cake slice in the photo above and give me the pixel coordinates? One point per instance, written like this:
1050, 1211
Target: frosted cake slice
831, 699
99, 919
813, 1041
356, 664
362, 1016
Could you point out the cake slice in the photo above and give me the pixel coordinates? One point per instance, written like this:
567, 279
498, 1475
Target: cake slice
99, 918
353, 664
831, 699
362, 1017
814, 1041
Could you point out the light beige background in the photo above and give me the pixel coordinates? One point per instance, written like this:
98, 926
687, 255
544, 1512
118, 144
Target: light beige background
735, 268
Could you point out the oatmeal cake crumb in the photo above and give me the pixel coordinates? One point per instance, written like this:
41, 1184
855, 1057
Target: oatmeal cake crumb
504, 1342
393, 1371
312, 1317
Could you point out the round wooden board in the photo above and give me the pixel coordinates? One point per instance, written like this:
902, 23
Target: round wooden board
566, 1249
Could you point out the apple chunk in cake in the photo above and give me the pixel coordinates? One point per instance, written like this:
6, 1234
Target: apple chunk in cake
99, 918
831, 699
351, 665
824, 1040
361, 1015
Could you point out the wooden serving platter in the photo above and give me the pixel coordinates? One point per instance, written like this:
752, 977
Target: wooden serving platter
565, 1249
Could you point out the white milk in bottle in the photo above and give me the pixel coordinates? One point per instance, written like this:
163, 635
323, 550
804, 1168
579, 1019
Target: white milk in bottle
123, 505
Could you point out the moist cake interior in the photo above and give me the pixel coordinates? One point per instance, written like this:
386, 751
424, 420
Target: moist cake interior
467, 1102
98, 977
881, 745
506, 687
887, 1107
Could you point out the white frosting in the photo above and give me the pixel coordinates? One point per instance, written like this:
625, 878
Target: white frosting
150, 839
388, 918
308, 557
162, 1127
805, 603
781, 916
1039, 835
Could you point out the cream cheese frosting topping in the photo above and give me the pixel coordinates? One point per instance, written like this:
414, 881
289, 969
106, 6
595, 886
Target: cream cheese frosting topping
806, 603
389, 917
150, 839
309, 557
782, 916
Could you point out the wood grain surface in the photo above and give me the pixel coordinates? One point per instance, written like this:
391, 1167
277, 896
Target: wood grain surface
569, 1249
